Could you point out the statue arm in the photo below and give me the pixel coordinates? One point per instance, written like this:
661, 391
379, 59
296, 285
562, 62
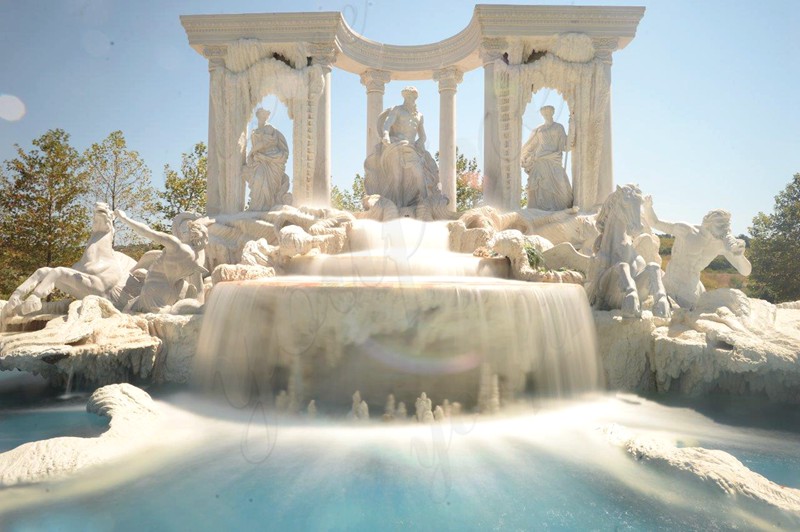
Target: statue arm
145, 231
387, 125
421, 137
740, 262
652, 220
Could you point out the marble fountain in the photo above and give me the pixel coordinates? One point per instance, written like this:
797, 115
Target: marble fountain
404, 365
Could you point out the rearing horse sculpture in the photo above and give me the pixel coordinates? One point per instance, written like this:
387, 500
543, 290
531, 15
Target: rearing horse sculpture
619, 278
101, 271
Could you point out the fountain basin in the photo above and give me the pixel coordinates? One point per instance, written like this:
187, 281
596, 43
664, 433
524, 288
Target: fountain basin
324, 337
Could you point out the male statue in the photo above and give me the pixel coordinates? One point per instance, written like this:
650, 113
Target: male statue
400, 169
694, 248
177, 273
548, 184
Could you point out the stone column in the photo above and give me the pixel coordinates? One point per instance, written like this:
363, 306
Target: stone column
448, 79
605, 179
375, 81
216, 189
323, 55
491, 50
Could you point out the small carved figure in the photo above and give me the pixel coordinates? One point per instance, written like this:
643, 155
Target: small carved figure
265, 171
101, 271
401, 169
694, 248
548, 184
177, 273
619, 278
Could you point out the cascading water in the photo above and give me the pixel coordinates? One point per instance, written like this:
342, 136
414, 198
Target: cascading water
390, 317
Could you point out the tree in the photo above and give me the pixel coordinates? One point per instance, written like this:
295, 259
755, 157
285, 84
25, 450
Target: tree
349, 200
43, 215
185, 192
469, 183
775, 248
120, 178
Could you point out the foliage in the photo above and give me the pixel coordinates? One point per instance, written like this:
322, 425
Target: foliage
185, 192
349, 200
43, 215
775, 248
469, 182
120, 178
535, 258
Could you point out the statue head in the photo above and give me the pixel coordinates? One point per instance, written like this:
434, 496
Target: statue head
262, 115
718, 222
547, 112
410, 93
196, 235
103, 220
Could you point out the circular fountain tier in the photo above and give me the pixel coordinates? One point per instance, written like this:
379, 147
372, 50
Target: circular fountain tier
324, 337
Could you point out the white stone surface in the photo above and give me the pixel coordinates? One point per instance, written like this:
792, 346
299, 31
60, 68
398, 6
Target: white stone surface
177, 273
729, 343
178, 336
265, 172
712, 469
132, 414
694, 248
619, 277
95, 342
549, 188
400, 169
101, 271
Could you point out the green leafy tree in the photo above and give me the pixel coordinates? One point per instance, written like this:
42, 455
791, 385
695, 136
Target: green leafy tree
43, 216
775, 248
349, 200
185, 192
120, 178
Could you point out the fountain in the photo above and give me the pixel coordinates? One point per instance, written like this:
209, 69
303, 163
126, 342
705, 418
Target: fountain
469, 335
400, 314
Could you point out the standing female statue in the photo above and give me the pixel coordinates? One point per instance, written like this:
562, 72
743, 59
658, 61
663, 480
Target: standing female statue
265, 172
548, 184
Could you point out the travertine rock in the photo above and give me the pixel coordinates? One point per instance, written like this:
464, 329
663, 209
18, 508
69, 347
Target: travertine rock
95, 341
132, 414
240, 272
729, 343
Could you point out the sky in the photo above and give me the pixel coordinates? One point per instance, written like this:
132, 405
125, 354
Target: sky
705, 110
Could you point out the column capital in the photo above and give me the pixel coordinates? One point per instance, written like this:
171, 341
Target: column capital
375, 80
492, 49
448, 78
215, 55
603, 47
322, 53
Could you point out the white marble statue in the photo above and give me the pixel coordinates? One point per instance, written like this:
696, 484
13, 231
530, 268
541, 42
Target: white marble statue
265, 172
694, 248
400, 168
177, 273
101, 271
619, 277
548, 184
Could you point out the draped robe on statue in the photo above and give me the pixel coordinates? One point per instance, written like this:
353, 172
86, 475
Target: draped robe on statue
548, 184
264, 173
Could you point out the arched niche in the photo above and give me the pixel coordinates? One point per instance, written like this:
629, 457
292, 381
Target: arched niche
532, 119
279, 119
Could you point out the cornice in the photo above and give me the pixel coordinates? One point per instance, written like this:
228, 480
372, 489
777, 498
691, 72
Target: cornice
515, 24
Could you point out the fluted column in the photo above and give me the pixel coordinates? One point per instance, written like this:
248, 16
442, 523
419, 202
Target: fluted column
217, 189
605, 179
375, 82
448, 79
323, 55
491, 50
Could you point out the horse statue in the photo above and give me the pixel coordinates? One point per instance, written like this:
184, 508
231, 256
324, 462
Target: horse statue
101, 271
619, 277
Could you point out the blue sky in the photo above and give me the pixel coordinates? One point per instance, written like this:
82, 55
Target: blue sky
705, 105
